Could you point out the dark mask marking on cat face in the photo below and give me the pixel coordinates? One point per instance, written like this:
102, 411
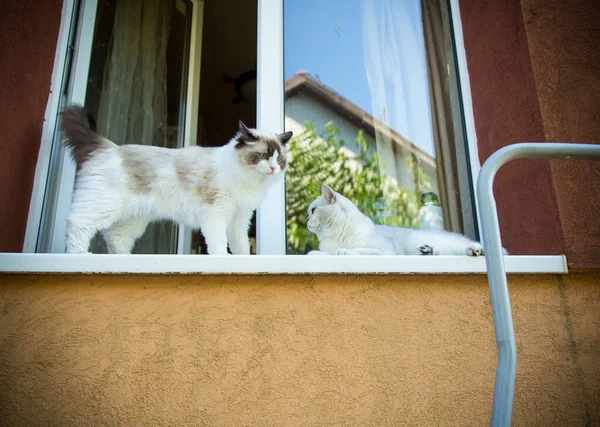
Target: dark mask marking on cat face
252, 154
251, 157
254, 147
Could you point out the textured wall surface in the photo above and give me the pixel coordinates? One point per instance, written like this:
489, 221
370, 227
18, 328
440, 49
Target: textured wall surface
507, 111
28, 33
564, 41
279, 350
534, 72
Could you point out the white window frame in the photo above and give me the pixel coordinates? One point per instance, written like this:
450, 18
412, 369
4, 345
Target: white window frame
272, 264
270, 216
66, 168
50, 117
271, 225
184, 237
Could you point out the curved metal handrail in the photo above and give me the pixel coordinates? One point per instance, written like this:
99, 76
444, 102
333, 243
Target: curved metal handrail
504, 387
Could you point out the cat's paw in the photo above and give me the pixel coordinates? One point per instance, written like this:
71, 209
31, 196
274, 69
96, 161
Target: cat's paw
426, 250
475, 249
478, 251
316, 253
343, 251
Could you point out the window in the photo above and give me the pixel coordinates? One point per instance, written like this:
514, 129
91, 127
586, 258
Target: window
377, 80
371, 76
224, 61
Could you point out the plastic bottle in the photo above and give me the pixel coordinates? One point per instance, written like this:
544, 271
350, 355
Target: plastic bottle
430, 214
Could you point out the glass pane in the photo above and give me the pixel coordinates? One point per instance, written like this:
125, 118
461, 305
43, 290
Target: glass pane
137, 85
371, 96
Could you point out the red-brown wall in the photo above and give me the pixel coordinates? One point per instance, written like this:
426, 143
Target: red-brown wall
564, 41
28, 34
507, 111
533, 67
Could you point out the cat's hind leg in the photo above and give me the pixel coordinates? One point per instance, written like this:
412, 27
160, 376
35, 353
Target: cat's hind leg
478, 250
424, 250
425, 242
83, 222
475, 249
470, 249
121, 236
93, 208
80, 232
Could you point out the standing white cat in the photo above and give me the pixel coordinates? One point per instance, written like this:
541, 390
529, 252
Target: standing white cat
343, 230
120, 189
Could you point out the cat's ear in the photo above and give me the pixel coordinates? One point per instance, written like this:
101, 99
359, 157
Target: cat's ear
328, 193
285, 137
244, 134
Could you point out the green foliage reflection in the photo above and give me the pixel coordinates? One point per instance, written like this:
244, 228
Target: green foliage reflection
318, 159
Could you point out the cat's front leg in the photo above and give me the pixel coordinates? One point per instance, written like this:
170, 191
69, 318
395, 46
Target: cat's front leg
237, 234
215, 235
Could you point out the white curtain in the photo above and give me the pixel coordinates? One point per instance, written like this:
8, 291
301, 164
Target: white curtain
133, 101
396, 69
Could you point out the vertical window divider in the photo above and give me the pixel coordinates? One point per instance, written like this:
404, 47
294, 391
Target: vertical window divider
270, 217
184, 234
467, 102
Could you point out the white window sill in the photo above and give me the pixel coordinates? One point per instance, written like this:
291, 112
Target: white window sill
271, 264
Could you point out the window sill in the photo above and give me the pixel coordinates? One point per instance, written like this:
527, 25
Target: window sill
271, 264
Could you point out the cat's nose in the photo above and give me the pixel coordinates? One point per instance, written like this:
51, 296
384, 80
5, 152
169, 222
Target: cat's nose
273, 168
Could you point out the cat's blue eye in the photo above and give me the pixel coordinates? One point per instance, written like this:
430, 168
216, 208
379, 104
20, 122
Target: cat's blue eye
280, 158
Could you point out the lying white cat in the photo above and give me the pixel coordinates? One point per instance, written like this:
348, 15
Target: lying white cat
120, 189
343, 230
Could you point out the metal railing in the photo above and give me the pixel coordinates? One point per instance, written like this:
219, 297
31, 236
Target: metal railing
504, 387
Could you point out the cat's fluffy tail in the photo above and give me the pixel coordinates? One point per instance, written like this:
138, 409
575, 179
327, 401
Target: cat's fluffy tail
78, 135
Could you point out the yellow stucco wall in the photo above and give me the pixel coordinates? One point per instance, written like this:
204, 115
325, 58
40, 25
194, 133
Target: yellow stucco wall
292, 350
